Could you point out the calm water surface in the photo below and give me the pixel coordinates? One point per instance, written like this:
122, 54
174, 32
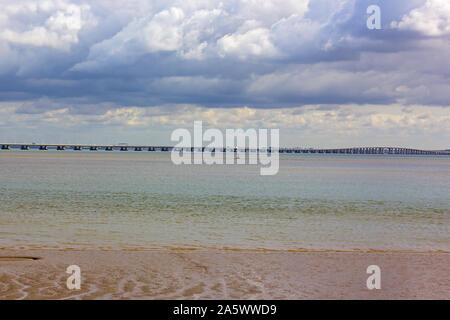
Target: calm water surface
86, 199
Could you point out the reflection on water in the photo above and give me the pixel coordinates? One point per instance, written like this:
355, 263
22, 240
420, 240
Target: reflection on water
141, 200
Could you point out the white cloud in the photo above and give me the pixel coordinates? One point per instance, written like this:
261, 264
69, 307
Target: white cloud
431, 19
53, 23
171, 30
163, 32
416, 126
337, 118
255, 42
197, 30
271, 11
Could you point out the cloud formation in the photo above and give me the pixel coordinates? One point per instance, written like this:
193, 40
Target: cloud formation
431, 19
109, 60
58, 26
306, 126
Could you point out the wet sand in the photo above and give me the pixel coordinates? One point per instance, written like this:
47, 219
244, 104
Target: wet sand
222, 274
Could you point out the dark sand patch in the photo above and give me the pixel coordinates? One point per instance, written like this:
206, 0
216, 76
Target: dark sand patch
18, 258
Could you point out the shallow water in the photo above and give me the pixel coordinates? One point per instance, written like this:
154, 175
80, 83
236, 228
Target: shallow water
86, 199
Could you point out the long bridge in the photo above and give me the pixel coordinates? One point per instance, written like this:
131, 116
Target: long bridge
123, 147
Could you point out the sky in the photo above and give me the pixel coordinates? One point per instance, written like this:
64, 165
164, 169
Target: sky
109, 71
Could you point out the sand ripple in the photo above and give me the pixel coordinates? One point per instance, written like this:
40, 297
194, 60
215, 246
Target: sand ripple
222, 275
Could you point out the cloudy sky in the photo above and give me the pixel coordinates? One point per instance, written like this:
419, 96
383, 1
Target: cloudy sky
108, 71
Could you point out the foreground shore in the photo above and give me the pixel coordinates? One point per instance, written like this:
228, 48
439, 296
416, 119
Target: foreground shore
222, 274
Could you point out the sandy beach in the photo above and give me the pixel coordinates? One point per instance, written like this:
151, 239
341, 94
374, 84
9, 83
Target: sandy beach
222, 274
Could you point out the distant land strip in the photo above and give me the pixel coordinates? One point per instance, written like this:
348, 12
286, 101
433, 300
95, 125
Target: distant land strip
126, 147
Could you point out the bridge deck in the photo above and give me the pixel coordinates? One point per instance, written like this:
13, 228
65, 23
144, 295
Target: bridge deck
95, 147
